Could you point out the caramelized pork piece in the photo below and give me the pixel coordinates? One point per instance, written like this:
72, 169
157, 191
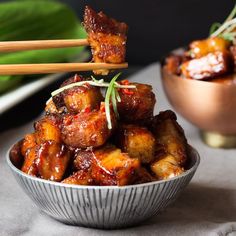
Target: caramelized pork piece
28, 142
171, 146
82, 98
48, 129
137, 141
167, 167
170, 136
80, 177
82, 160
29, 150
52, 161
107, 38
200, 48
16, 157
88, 129
79, 98
136, 104
30, 161
211, 65
112, 167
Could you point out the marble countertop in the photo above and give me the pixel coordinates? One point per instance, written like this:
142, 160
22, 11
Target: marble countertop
206, 207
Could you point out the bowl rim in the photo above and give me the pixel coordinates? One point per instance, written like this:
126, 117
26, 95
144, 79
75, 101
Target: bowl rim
59, 184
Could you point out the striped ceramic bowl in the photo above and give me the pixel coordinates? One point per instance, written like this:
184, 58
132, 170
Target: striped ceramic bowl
104, 206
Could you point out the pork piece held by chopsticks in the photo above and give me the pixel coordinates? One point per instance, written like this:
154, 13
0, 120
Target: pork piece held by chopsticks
106, 36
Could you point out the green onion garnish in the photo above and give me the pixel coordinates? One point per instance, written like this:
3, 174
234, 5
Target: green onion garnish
214, 27
117, 96
227, 29
113, 100
111, 93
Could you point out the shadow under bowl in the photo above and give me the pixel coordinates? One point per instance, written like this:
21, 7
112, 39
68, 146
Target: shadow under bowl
106, 207
211, 106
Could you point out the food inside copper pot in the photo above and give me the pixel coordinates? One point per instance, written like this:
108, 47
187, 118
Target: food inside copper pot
211, 59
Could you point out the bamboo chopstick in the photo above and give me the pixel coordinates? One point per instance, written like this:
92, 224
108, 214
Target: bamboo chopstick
19, 69
12, 46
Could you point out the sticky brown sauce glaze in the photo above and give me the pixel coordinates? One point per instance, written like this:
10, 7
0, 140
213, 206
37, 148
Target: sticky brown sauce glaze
77, 147
212, 59
101, 23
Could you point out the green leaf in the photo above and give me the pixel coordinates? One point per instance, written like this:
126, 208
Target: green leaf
32, 20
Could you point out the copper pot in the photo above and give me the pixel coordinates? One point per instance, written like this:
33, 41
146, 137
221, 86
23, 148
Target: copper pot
211, 106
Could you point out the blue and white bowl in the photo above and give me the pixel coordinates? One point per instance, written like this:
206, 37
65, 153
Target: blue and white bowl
107, 207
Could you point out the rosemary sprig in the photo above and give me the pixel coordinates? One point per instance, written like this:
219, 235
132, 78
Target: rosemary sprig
112, 94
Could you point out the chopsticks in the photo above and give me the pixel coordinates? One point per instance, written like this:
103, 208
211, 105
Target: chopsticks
46, 68
12, 46
24, 69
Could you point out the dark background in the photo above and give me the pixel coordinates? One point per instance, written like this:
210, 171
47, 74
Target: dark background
155, 28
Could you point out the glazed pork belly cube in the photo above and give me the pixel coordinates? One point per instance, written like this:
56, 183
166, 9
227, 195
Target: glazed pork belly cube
49, 160
137, 104
170, 136
171, 150
209, 66
16, 156
47, 129
88, 129
137, 141
106, 36
112, 167
52, 160
166, 167
29, 141
106, 165
79, 98
29, 165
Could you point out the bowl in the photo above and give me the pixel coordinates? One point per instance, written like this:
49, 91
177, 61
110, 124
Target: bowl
106, 207
211, 106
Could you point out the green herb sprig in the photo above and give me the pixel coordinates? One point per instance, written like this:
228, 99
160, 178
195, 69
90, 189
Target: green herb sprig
112, 94
225, 30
